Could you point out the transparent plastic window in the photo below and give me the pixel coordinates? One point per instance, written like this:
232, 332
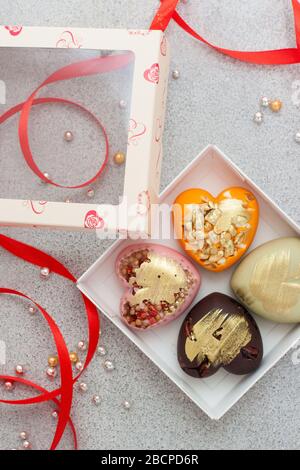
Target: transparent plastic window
66, 141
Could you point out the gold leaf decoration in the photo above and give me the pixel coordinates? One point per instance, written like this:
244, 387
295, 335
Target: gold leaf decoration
274, 283
159, 280
218, 337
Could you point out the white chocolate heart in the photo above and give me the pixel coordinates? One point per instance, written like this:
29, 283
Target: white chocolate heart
267, 281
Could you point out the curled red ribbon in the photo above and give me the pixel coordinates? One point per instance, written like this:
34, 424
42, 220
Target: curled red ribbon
39, 258
79, 69
167, 11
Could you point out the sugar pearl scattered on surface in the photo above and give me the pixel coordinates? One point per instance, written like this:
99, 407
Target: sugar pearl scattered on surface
108, 365
297, 137
32, 310
51, 372
122, 104
45, 273
119, 158
90, 193
264, 101
126, 404
81, 345
175, 74
258, 117
275, 105
46, 176
79, 366
73, 357
68, 136
52, 361
9, 386
67, 200
83, 387
19, 369
26, 445
96, 400
23, 435
101, 351
54, 414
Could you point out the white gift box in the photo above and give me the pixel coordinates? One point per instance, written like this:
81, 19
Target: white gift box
213, 171
145, 126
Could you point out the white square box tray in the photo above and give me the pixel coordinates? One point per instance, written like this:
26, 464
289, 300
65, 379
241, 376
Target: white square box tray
213, 171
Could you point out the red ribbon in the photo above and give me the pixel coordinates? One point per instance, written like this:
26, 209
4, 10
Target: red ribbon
167, 10
41, 259
79, 69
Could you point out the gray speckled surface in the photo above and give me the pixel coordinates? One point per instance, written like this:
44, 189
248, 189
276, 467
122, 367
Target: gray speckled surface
213, 102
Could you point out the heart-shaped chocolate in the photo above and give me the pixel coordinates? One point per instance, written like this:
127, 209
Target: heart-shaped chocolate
219, 332
161, 284
267, 281
216, 232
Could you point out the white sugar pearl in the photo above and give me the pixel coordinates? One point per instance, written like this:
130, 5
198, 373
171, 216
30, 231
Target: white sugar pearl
122, 104
23, 435
83, 387
9, 386
82, 346
54, 414
96, 400
46, 176
264, 101
19, 369
175, 74
51, 372
79, 366
45, 272
101, 351
297, 137
91, 193
126, 404
26, 445
258, 117
109, 365
32, 310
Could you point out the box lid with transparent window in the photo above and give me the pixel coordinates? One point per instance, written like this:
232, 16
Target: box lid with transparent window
81, 122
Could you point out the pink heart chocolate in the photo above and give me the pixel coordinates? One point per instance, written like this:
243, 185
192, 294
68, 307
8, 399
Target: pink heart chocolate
161, 284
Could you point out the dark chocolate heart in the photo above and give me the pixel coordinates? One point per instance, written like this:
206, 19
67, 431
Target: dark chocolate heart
219, 332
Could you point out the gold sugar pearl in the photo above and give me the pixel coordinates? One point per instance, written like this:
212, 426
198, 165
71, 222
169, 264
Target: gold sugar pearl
275, 105
52, 361
74, 357
119, 158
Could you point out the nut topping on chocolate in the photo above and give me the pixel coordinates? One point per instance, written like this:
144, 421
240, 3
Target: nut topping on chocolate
216, 230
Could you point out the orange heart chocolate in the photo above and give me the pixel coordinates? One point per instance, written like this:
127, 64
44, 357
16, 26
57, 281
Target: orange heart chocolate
216, 231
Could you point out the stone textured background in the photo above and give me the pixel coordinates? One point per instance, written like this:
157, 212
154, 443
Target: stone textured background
212, 102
